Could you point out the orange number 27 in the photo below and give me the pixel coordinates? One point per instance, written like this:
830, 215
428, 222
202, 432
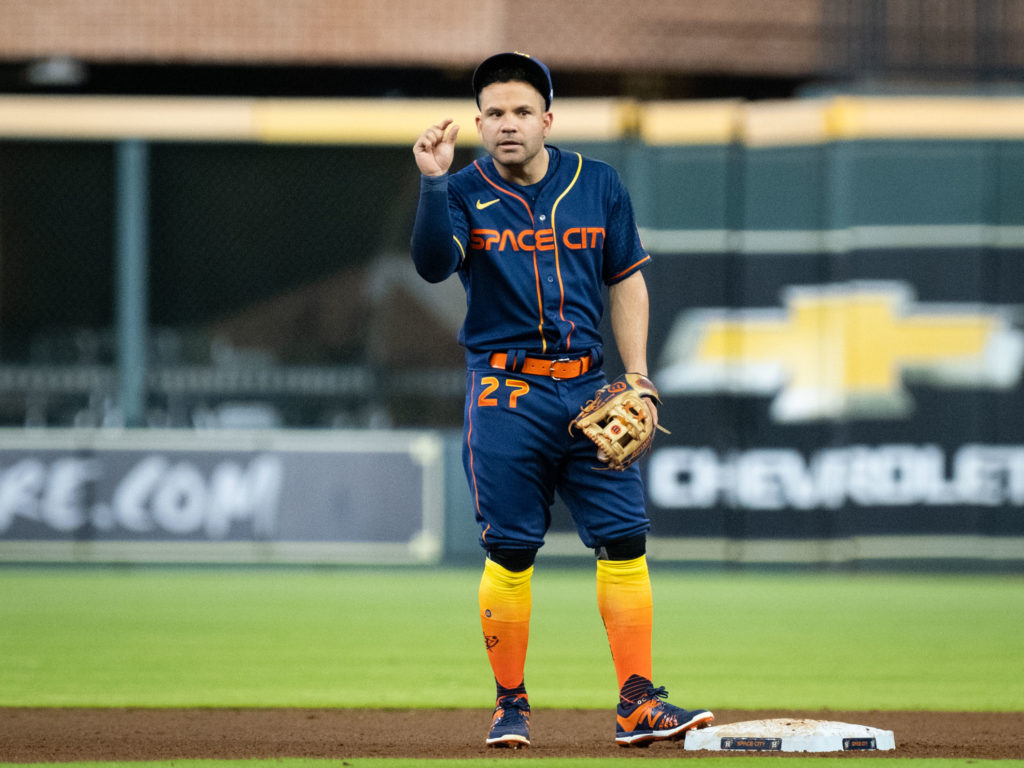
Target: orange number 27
490, 386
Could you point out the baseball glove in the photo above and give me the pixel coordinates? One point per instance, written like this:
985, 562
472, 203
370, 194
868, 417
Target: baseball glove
618, 421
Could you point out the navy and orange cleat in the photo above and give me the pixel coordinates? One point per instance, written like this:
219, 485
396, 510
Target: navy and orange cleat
642, 717
510, 726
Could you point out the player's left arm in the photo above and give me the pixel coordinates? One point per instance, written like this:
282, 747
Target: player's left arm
629, 308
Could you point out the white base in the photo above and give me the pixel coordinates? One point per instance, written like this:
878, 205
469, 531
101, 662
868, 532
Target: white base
790, 735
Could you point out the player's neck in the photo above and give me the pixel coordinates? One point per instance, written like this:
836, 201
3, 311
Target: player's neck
526, 173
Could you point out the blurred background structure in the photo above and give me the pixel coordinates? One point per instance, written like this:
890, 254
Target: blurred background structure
273, 290
646, 49
205, 210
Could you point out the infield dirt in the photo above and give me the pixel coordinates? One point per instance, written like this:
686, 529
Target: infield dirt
30, 735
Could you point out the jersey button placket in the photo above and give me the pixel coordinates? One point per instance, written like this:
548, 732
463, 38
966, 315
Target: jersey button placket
549, 284
549, 292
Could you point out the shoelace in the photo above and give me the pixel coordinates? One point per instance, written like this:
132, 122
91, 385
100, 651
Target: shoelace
522, 706
654, 693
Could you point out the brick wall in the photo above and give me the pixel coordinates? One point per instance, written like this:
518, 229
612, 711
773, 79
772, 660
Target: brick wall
728, 36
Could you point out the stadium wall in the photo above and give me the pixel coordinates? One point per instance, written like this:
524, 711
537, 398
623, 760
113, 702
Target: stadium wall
646, 36
836, 287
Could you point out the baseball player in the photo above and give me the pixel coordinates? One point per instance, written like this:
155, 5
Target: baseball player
535, 233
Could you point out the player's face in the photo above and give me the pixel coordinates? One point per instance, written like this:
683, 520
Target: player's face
513, 125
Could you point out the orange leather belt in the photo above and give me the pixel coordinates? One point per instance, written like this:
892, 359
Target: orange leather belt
564, 368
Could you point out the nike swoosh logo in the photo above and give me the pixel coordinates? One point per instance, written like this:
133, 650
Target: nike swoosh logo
480, 206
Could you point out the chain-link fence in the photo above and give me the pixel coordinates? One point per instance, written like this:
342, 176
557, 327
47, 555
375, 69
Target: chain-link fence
279, 290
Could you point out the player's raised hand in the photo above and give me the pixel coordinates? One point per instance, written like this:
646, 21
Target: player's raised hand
434, 150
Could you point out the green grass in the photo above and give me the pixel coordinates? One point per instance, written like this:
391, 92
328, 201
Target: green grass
411, 638
714, 762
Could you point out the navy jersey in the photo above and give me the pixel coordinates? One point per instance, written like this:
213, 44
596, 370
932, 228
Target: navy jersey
533, 260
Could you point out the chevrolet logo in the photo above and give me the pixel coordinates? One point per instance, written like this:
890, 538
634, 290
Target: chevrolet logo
842, 350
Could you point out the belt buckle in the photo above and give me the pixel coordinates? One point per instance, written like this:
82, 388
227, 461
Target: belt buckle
556, 362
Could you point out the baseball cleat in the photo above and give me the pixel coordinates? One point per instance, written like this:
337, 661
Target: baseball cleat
645, 718
510, 726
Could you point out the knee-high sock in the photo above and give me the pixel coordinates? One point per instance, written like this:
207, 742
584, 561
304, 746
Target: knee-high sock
626, 605
505, 602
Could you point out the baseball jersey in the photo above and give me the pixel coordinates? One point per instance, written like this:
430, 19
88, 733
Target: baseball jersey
534, 259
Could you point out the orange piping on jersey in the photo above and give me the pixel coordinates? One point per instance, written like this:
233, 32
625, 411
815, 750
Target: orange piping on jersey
469, 441
558, 267
536, 273
631, 267
505, 191
540, 304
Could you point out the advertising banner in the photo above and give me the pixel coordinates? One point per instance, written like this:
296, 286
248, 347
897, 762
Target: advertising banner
863, 404
246, 497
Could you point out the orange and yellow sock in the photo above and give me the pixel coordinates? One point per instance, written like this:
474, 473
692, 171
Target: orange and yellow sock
627, 608
505, 602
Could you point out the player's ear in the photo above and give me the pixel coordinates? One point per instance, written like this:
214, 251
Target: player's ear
549, 118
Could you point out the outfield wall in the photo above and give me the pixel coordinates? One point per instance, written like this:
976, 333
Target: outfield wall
152, 496
839, 299
836, 289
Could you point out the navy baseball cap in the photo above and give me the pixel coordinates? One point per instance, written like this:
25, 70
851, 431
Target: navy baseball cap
537, 74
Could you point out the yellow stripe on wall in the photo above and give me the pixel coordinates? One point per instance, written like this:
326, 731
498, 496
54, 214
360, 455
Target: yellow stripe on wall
358, 121
925, 118
88, 117
673, 123
383, 121
813, 121
400, 121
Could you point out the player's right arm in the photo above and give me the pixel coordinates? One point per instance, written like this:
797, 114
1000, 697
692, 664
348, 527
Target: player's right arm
435, 250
